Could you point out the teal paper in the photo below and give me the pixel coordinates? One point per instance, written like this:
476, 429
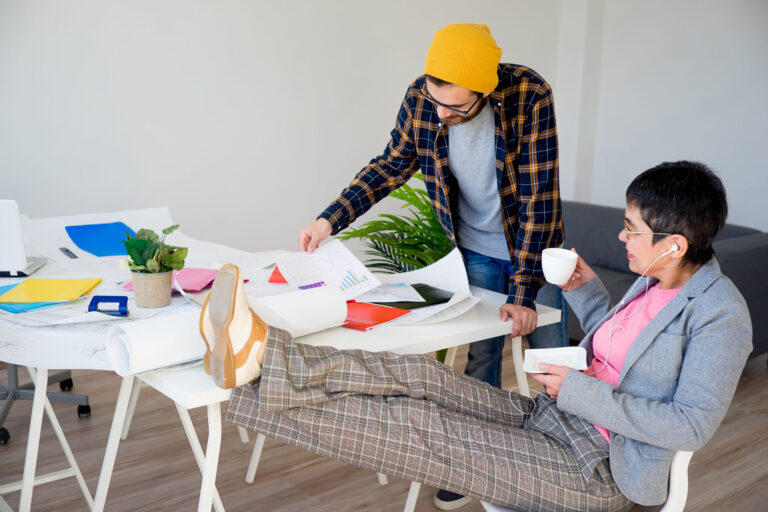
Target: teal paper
21, 307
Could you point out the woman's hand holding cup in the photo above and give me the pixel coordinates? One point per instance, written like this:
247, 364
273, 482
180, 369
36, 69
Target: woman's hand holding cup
582, 274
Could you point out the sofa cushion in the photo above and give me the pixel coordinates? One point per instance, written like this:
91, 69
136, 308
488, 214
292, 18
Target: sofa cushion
594, 232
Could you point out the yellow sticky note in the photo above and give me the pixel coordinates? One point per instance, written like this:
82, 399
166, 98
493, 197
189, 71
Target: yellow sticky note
49, 290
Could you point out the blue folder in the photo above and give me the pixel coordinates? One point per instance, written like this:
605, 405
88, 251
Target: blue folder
100, 239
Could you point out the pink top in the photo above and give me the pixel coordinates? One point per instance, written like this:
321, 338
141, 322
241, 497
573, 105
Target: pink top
626, 325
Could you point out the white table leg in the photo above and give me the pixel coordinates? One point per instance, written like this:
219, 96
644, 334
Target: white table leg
450, 356
243, 434
255, 457
383, 480
4, 507
113, 441
33, 441
211, 457
197, 450
131, 409
75, 469
413, 496
517, 357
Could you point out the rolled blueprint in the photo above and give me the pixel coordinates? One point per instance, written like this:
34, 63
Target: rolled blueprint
157, 342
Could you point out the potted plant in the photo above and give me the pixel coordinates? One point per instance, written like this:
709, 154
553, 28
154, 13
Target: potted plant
152, 264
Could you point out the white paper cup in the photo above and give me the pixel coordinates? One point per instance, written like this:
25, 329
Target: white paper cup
558, 265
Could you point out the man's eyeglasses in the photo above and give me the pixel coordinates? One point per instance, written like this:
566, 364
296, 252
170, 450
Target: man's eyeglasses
629, 232
429, 97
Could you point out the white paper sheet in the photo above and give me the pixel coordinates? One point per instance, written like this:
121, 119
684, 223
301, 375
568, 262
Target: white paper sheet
136, 347
304, 311
332, 264
447, 273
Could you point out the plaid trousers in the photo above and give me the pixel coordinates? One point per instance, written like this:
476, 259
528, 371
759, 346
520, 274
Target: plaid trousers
415, 418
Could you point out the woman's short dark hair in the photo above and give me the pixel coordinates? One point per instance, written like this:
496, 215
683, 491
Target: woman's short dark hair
684, 198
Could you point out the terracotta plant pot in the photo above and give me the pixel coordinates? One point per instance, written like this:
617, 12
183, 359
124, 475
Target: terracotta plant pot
152, 290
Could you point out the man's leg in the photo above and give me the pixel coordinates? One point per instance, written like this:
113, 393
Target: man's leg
484, 357
554, 335
416, 431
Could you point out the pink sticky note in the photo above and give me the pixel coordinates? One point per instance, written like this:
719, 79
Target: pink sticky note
190, 279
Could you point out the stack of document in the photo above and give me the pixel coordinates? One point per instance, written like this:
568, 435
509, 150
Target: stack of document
324, 280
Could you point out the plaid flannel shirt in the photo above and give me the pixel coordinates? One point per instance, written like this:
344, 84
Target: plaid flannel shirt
526, 171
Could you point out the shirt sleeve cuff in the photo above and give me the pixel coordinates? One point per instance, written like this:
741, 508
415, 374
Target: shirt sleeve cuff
334, 214
522, 296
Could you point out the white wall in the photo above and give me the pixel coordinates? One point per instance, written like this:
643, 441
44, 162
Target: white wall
247, 118
685, 80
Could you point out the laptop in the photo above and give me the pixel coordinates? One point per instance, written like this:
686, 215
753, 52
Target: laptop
13, 258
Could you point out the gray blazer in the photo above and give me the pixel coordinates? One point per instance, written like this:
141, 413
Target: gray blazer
677, 382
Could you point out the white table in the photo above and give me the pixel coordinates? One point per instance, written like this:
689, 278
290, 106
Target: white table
77, 346
192, 387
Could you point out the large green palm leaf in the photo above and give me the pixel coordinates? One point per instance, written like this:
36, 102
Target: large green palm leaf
400, 243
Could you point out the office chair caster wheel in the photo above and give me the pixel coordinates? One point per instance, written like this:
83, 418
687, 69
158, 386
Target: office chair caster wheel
83, 411
5, 436
66, 385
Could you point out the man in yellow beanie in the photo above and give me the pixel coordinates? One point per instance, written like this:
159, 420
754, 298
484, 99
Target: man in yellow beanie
483, 135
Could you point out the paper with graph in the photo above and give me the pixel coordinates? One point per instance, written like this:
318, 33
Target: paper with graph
332, 265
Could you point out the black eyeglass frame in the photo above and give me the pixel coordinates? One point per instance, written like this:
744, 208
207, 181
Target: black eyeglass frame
432, 100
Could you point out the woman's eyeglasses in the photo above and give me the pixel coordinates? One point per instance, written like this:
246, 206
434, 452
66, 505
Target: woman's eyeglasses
629, 232
429, 97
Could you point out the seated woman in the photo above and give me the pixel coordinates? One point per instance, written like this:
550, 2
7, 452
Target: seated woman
664, 365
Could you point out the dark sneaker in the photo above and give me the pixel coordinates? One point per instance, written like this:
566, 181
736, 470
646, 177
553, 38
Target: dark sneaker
447, 500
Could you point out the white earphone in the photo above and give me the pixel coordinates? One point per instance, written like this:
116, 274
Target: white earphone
623, 301
674, 248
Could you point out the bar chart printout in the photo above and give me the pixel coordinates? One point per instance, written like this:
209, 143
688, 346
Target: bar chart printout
332, 265
350, 280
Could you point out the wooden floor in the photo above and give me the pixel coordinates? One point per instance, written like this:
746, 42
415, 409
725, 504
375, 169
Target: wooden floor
155, 470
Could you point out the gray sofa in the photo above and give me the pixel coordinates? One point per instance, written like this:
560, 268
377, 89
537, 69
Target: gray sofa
742, 252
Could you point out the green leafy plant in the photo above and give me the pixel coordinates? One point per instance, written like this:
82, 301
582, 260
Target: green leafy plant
150, 254
400, 243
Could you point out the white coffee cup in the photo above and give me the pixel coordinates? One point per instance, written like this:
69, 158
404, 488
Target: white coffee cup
558, 265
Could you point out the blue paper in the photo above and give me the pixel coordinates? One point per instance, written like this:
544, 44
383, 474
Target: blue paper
100, 239
21, 307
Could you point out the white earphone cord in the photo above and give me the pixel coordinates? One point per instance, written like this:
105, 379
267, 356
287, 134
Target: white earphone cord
674, 248
610, 326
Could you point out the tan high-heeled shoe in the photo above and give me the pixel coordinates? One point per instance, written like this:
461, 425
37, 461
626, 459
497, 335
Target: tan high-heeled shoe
234, 330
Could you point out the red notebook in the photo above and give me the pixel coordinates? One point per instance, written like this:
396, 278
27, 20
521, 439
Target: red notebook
363, 316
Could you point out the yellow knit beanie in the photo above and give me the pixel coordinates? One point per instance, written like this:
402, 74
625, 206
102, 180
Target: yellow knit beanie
464, 54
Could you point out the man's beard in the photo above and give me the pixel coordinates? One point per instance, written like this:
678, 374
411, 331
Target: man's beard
459, 119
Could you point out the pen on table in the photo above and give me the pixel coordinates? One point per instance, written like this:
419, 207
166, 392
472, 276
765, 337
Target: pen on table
67, 252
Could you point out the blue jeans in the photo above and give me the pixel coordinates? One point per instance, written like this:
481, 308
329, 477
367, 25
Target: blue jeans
484, 358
